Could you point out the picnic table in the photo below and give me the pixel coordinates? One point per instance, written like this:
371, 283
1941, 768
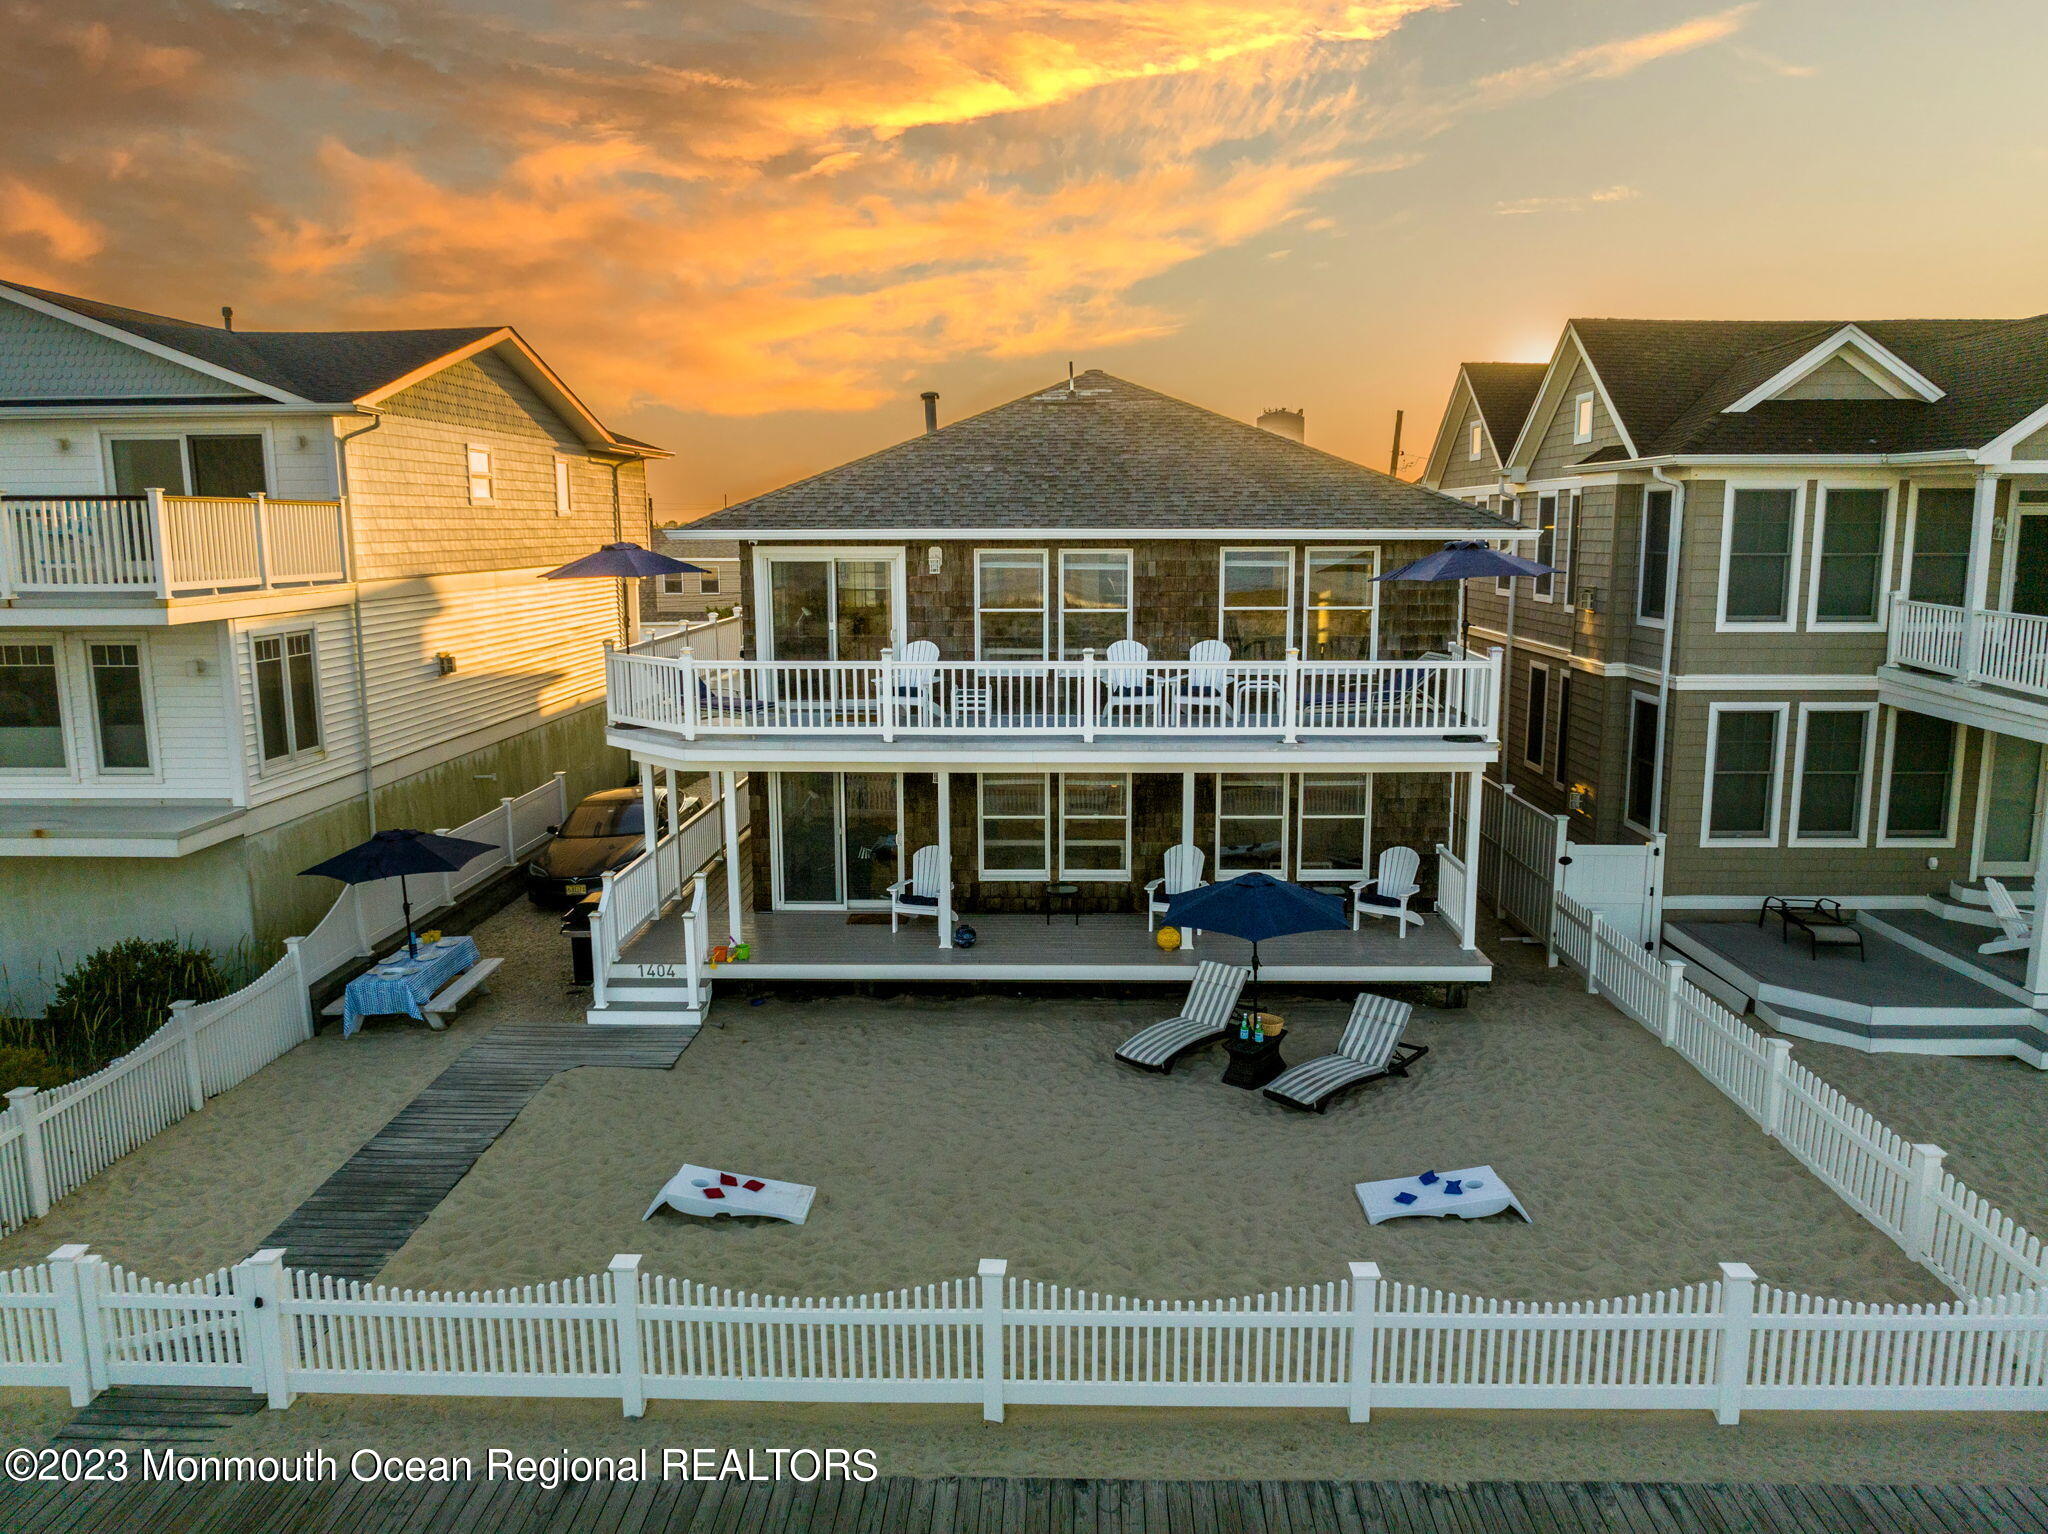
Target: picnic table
402, 984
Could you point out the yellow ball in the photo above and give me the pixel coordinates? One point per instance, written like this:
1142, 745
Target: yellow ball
1168, 938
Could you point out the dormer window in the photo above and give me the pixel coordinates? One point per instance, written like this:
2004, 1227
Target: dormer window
1475, 444
1582, 419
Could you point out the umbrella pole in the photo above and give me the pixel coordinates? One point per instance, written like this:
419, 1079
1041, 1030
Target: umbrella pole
405, 904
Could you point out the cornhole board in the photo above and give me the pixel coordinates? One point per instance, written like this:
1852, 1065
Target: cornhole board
703, 1190
1481, 1193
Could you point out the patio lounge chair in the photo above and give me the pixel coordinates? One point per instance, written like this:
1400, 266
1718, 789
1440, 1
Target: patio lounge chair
1370, 1048
1128, 684
1182, 867
919, 894
1204, 1019
2019, 931
1206, 688
916, 674
715, 701
1389, 894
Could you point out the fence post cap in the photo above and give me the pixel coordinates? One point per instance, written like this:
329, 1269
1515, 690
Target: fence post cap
1738, 1272
293, 942
71, 1251
269, 1256
1920, 1152
20, 1094
993, 1267
1677, 967
624, 1262
183, 1006
1778, 1046
1365, 1270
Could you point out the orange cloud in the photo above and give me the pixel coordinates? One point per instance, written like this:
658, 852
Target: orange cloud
30, 211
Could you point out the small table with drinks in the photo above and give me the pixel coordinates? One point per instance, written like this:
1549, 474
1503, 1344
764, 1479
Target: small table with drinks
1253, 1044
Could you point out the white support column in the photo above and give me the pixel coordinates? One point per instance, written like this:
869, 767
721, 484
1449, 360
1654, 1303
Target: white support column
1187, 808
945, 783
1738, 1305
1977, 586
729, 818
2037, 951
1468, 918
650, 825
675, 821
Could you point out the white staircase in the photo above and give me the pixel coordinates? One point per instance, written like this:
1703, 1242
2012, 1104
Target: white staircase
632, 999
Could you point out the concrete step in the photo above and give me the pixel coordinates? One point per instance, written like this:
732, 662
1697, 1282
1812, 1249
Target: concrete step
2014, 1032
619, 1012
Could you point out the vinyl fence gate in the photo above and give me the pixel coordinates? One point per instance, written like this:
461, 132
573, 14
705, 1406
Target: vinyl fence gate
1526, 859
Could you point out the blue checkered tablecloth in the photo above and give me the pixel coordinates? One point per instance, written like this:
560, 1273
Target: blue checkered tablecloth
402, 984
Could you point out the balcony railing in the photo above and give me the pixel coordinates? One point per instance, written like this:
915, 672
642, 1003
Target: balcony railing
1089, 698
167, 545
1971, 644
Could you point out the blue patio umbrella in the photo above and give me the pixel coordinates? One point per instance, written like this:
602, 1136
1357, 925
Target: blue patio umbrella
396, 853
1255, 907
1467, 560
622, 561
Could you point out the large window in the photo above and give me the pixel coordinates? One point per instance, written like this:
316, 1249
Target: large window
1536, 718
287, 695
121, 725
229, 464
1640, 810
1743, 761
1256, 584
1095, 826
31, 711
1251, 823
1015, 832
1848, 576
1338, 611
1940, 569
1762, 533
1009, 604
1336, 825
1831, 773
1920, 773
1095, 600
1653, 567
1546, 545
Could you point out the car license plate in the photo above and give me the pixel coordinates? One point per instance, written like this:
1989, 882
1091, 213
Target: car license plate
575, 889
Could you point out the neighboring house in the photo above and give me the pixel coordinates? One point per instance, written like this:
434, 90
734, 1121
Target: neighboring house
1049, 768
677, 598
262, 590
1798, 625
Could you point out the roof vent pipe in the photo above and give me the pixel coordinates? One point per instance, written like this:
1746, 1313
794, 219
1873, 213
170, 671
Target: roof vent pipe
931, 410
227, 318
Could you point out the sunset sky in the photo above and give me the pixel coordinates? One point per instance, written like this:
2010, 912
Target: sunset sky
752, 232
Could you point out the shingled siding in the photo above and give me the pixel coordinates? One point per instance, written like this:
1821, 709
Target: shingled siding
1175, 597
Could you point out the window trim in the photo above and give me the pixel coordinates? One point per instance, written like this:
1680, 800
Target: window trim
1302, 816
108, 436
1909, 543
1529, 715
298, 755
1635, 697
152, 737
565, 487
1876, 625
1955, 776
1047, 820
1543, 588
1285, 818
1793, 835
1584, 407
1045, 597
489, 475
1794, 571
1372, 609
1475, 445
1642, 550
60, 664
1714, 713
1560, 728
1128, 556
1121, 874
1289, 583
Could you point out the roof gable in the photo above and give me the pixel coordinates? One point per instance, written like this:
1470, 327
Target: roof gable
1565, 362
1849, 364
44, 358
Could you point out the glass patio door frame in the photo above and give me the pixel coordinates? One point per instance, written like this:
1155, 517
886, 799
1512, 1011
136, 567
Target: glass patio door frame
842, 903
764, 591
1986, 778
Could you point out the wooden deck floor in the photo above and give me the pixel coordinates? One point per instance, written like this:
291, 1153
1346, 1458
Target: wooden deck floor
827, 945
974, 1505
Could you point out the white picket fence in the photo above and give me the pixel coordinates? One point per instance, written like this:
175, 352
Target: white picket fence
52, 1142
1899, 1187
995, 1340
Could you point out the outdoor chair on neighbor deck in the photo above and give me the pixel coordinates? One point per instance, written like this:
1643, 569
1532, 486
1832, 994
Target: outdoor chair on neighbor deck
1388, 894
716, 701
1204, 1019
2019, 929
919, 894
1370, 1048
1128, 686
917, 674
1205, 690
1182, 871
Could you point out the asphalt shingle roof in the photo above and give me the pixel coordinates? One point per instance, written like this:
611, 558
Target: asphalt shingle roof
1504, 391
1108, 454
1671, 382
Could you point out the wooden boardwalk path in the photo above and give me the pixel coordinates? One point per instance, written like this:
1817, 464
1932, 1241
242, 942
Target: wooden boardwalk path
969, 1505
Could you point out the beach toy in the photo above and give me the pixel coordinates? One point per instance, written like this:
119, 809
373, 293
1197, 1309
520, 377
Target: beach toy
1453, 1187
1427, 1179
1404, 1198
1168, 939
742, 951
720, 954
964, 936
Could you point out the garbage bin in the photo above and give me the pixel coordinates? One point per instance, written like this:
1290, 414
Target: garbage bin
576, 928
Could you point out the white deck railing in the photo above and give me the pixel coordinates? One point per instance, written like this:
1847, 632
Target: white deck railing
1090, 698
993, 1341
168, 545
1971, 644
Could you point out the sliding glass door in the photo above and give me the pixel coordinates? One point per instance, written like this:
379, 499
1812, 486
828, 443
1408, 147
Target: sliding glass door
835, 838
830, 607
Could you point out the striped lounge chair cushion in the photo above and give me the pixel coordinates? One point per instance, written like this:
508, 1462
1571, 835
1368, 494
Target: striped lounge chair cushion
1206, 1016
1363, 1052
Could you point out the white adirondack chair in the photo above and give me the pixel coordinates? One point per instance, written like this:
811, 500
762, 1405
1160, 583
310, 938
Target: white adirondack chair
1127, 682
1389, 894
1183, 872
2019, 928
919, 894
916, 676
1207, 687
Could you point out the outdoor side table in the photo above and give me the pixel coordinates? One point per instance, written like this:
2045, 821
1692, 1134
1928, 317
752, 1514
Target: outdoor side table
1253, 1063
1048, 893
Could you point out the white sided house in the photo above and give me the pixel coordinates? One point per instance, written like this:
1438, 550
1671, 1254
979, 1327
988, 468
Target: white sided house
1000, 680
261, 591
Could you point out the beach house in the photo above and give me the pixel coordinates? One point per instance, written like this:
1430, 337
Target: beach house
1797, 627
263, 590
1008, 682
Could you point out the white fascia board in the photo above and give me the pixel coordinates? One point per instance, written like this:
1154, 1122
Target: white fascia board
1505, 531
146, 408
1892, 372
155, 349
1999, 448
1516, 464
1438, 465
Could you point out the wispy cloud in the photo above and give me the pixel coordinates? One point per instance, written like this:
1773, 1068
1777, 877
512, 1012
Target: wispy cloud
1579, 203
